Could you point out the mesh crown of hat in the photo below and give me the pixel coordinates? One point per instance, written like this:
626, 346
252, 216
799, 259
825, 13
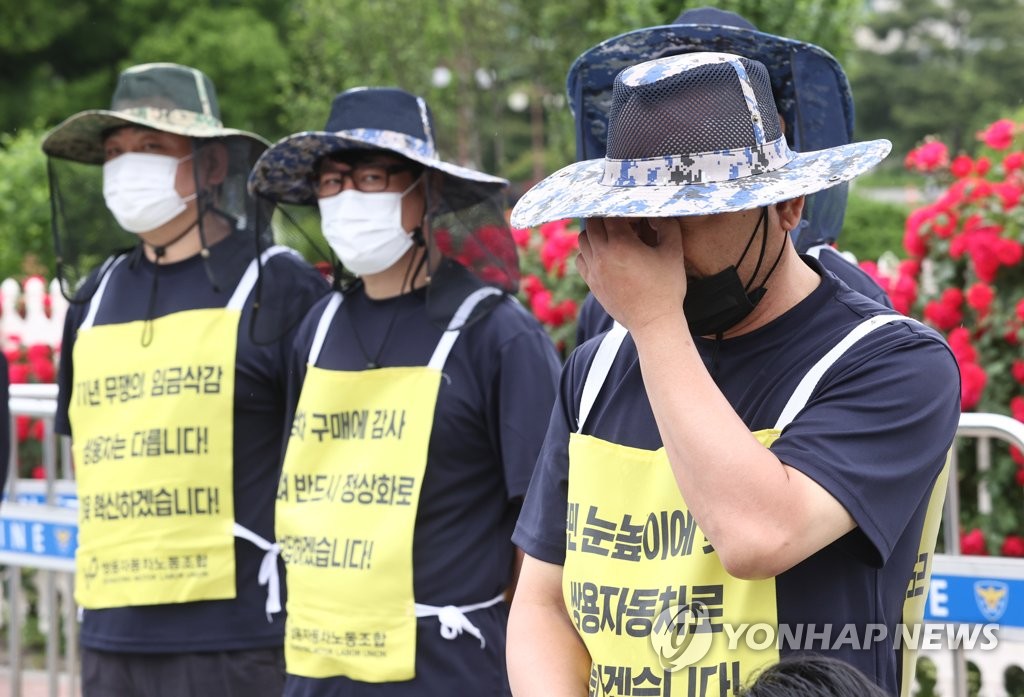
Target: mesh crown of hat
701, 109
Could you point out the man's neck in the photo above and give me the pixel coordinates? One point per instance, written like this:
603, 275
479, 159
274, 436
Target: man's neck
790, 283
177, 246
395, 280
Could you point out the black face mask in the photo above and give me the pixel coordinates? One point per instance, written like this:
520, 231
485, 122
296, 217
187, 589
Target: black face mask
715, 304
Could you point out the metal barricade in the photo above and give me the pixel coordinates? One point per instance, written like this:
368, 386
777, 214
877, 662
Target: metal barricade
38, 530
971, 591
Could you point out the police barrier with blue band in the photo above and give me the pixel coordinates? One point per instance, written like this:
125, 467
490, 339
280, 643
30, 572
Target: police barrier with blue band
978, 590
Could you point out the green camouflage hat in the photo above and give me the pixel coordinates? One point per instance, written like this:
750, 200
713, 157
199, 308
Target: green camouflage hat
163, 96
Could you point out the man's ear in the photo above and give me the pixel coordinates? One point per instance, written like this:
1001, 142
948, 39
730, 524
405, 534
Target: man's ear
789, 212
213, 164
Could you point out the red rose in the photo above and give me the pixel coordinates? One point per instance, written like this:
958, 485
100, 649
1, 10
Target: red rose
973, 543
554, 228
960, 342
942, 316
1017, 408
38, 472
1009, 193
961, 166
1018, 371
18, 373
443, 240
930, 156
532, 285
1013, 546
1009, 252
567, 310
1020, 309
1020, 476
21, 427
43, 370
36, 430
522, 237
982, 165
999, 135
1013, 161
1018, 457
972, 385
13, 355
914, 243
39, 352
980, 296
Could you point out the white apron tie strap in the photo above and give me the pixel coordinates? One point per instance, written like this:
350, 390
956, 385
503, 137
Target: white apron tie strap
453, 619
94, 303
268, 575
444, 346
803, 391
323, 325
248, 280
598, 371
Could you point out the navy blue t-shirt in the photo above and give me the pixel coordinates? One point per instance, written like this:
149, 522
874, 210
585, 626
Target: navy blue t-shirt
259, 427
489, 421
593, 319
874, 433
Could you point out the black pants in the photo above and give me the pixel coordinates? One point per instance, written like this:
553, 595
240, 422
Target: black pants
251, 673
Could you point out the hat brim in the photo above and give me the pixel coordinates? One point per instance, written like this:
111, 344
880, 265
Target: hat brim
80, 137
576, 191
591, 78
284, 172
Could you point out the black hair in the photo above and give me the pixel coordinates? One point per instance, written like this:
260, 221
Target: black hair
811, 675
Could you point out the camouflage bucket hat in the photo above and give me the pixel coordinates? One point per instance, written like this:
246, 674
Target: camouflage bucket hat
162, 96
811, 90
692, 134
363, 118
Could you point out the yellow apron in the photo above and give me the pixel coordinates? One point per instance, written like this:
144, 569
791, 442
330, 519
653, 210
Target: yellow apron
642, 585
153, 447
346, 513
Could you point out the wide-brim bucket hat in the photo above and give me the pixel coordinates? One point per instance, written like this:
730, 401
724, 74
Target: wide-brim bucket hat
692, 134
810, 88
362, 118
166, 97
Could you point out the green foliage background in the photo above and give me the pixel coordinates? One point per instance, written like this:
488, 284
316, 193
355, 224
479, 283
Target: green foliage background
943, 67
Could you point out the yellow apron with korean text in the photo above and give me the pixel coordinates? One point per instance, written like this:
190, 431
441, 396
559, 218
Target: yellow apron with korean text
153, 445
346, 514
641, 584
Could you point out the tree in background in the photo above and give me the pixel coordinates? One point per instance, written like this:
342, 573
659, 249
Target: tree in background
937, 67
58, 57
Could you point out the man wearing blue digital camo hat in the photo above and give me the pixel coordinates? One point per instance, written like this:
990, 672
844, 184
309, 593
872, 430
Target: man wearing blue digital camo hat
810, 89
752, 445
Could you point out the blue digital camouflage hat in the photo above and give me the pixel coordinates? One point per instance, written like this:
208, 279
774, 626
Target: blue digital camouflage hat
810, 89
692, 134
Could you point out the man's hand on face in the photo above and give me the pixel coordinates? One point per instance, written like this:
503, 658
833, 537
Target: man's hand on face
634, 266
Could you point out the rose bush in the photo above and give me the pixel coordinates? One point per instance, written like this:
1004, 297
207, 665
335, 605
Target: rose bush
550, 286
963, 274
30, 364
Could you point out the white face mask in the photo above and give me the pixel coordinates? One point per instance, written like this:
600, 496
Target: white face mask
139, 190
365, 230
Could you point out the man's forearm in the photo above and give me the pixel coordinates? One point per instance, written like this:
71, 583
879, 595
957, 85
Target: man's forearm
546, 657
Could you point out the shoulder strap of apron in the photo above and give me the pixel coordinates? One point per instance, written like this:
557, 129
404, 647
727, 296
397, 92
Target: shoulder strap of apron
598, 371
323, 325
803, 391
252, 272
94, 303
444, 346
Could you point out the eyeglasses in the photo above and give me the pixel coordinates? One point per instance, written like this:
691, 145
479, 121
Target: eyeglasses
366, 178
